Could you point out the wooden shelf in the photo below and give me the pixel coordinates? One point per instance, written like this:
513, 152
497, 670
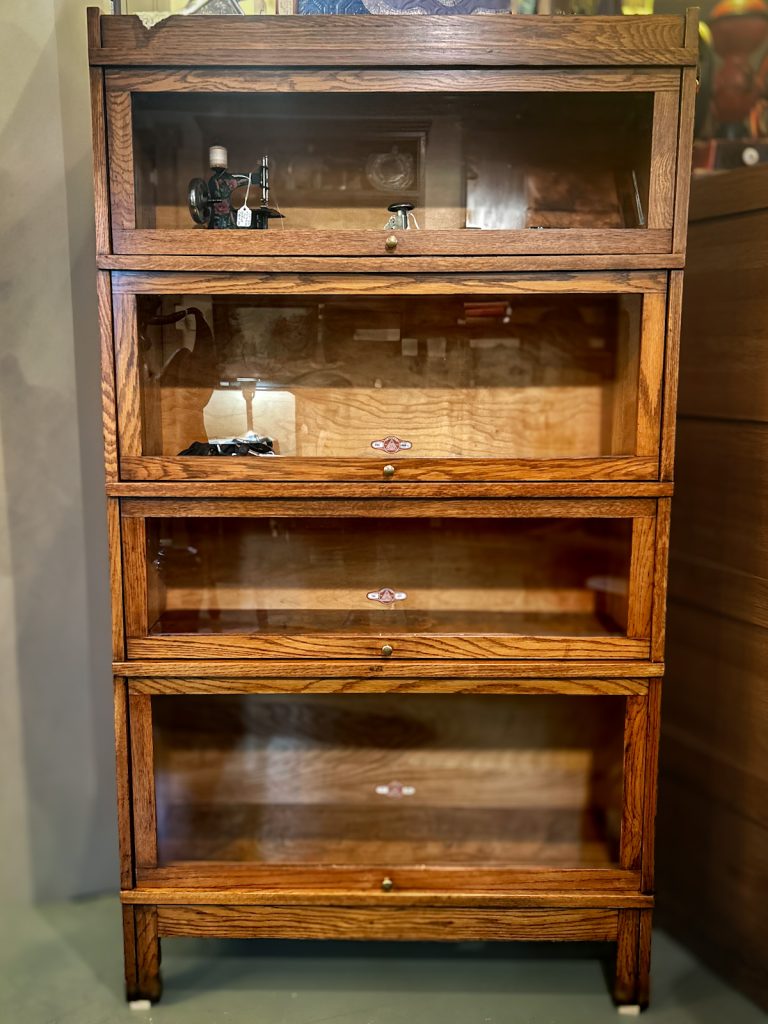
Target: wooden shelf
380, 624
395, 835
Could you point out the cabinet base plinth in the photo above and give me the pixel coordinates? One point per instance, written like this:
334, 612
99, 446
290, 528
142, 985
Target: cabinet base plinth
628, 928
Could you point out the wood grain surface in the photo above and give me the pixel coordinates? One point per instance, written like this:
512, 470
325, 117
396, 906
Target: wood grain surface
201, 264
568, 889
633, 802
387, 670
190, 684
149, 468
295, 42
353, 884
393, 283
142, 781
128, 240
428, 924
100, 163
149, 985
536, 489
375, 80
108, 388
123, 783
211, 647
523, 508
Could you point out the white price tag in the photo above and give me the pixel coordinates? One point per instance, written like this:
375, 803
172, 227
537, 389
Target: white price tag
244, 214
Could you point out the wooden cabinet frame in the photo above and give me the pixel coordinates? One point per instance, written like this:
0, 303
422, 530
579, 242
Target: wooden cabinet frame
643, 465
259, 56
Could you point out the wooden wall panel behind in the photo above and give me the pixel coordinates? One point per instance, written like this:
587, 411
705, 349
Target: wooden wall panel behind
713, 820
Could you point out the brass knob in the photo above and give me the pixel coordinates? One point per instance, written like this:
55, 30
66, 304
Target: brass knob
391, 243
388, 472
387, 885
387, 650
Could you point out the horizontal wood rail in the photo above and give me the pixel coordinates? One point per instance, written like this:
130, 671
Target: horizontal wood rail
376, 40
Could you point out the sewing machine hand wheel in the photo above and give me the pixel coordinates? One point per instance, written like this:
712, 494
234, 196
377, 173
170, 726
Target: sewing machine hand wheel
199, 198
401, 210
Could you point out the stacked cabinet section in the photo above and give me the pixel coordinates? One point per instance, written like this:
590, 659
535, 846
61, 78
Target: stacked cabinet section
414, 579
389, 476
492, 161
440, 791
433, 378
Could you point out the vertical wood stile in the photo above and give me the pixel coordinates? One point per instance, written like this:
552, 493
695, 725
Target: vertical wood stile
120, 143
650, 378
135, 568
653, 701
688, 90
661, 565
671, 373
108, 389
100, 165
641, 577
635, 738
663, 154
127, 374
143, 781
116, 578
123, 780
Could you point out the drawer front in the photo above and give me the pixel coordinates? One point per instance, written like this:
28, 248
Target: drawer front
492, 162
373, 379
409, 579
376, 794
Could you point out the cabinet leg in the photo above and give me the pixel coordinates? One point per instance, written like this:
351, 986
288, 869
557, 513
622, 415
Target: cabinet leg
142, 954
633, 961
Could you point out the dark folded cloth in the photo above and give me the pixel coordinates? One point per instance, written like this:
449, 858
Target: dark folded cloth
237, 446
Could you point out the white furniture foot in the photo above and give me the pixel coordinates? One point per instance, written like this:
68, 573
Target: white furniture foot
632, 1010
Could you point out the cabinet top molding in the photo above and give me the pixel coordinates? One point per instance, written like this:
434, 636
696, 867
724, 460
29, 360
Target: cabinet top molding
395, 40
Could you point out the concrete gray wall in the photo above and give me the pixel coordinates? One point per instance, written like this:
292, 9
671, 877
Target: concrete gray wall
56, 761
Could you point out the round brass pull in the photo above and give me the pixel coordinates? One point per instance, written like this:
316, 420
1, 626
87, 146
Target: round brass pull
391, 243
387, 885
387, 650
388, 472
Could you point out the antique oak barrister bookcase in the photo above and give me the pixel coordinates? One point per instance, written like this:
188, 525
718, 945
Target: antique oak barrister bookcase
402, 679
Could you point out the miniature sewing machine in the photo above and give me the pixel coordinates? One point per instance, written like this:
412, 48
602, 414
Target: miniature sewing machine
211, 203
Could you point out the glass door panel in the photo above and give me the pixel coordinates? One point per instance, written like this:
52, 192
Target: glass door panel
465, 161
404, 584
498, 385
544, 576
491, 781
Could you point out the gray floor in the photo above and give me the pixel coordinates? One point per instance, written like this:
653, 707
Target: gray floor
61, 965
